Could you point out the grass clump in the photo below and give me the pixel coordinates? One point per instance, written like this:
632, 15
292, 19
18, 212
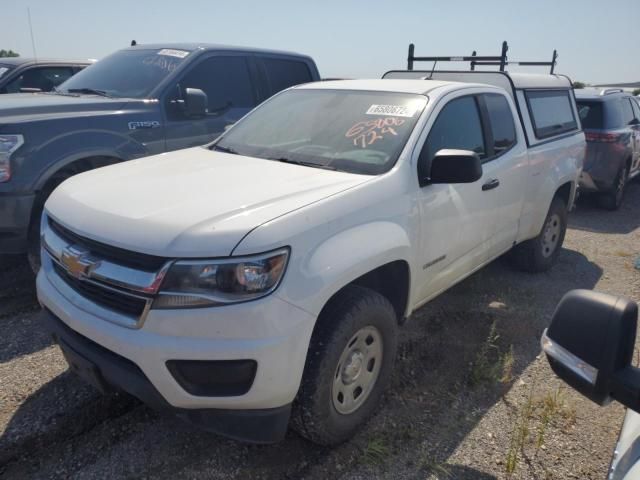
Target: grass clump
491, 365
533, 422
377, 451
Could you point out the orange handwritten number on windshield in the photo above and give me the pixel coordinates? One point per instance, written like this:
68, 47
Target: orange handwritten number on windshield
368, 132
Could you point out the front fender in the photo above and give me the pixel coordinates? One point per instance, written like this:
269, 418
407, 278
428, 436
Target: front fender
65, 149
317, 275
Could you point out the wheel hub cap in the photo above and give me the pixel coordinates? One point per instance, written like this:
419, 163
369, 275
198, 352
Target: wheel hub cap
551, 235
357, 370
352, 369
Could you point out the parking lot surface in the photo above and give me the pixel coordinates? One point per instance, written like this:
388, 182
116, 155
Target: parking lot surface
472, 397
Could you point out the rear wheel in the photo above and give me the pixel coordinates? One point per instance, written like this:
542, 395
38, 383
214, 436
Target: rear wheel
612, 200
540, 253
348, 365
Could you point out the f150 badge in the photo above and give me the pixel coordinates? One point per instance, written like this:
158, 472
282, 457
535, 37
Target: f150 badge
145, 124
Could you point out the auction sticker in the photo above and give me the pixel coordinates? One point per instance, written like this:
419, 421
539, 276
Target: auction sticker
394, 110
173, 53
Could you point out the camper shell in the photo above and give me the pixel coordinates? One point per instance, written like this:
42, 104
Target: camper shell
540, 99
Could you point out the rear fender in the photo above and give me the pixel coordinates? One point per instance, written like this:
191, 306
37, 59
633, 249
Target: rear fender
565, 171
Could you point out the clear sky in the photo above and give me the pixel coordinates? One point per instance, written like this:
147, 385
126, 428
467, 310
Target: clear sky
598, 41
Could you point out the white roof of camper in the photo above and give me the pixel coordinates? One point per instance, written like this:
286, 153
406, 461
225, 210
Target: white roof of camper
499, 79
538, 80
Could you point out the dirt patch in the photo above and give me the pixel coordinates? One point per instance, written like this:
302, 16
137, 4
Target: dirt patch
472, 397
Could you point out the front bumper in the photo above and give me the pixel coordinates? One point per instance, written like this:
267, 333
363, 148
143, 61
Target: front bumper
270, 331
107, 370
15, 216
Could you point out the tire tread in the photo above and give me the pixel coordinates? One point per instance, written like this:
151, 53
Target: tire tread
339, 312
526, 257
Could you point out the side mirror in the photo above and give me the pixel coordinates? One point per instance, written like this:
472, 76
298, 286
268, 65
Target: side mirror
589, 345
195, 102
635, 121
455, 166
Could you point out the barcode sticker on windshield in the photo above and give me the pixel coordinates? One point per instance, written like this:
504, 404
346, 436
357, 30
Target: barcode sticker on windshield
173, 53
394, 110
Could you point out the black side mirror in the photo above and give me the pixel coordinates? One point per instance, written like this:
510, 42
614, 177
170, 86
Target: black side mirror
455, 166
195, 102
589, 345
635, 121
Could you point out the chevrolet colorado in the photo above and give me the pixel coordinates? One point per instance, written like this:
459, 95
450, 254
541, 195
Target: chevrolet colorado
265, 276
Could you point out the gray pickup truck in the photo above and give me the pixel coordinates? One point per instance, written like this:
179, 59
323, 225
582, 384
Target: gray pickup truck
139, 101
22, 75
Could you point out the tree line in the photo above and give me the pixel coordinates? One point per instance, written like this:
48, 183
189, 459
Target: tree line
8, 53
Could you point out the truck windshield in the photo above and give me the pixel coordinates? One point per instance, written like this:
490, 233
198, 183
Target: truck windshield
349, 130
130, 73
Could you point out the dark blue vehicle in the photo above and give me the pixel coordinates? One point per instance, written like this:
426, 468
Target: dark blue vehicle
139, 101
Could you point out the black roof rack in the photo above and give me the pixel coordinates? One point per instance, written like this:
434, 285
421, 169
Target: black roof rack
477, 60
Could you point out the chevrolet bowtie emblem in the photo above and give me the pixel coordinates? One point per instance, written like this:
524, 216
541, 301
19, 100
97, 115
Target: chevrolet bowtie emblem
77, 261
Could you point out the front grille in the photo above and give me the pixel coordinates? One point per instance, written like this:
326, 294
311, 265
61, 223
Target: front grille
127, 258
110, 298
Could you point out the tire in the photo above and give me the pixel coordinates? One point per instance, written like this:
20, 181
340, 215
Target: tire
356, 325
612, 200
540, 253
33, 247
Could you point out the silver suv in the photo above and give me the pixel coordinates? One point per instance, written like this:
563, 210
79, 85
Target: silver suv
611, 122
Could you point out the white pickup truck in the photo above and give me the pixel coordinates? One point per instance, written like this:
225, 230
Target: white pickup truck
265, 276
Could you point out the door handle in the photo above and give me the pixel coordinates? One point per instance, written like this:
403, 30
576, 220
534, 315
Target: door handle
491, 184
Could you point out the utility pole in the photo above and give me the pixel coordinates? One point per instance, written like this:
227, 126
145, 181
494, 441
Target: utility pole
33, 42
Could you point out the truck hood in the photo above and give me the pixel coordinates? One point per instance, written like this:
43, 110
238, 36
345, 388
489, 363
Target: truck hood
23, 107
188, 203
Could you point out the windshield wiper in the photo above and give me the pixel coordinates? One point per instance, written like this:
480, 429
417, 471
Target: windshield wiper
224, 149
89, 91
57, 91
305, 164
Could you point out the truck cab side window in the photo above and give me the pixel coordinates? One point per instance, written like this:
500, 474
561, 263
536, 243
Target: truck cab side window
458, 126
283, 73
501, 119
225, 80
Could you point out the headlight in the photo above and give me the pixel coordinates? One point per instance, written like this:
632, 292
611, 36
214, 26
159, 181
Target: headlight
209, 283
8, 145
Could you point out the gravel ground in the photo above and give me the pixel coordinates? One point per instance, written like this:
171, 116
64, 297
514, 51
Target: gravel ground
472, 398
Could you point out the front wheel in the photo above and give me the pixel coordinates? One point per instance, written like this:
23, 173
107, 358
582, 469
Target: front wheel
33, 239
540, 253
348, 365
